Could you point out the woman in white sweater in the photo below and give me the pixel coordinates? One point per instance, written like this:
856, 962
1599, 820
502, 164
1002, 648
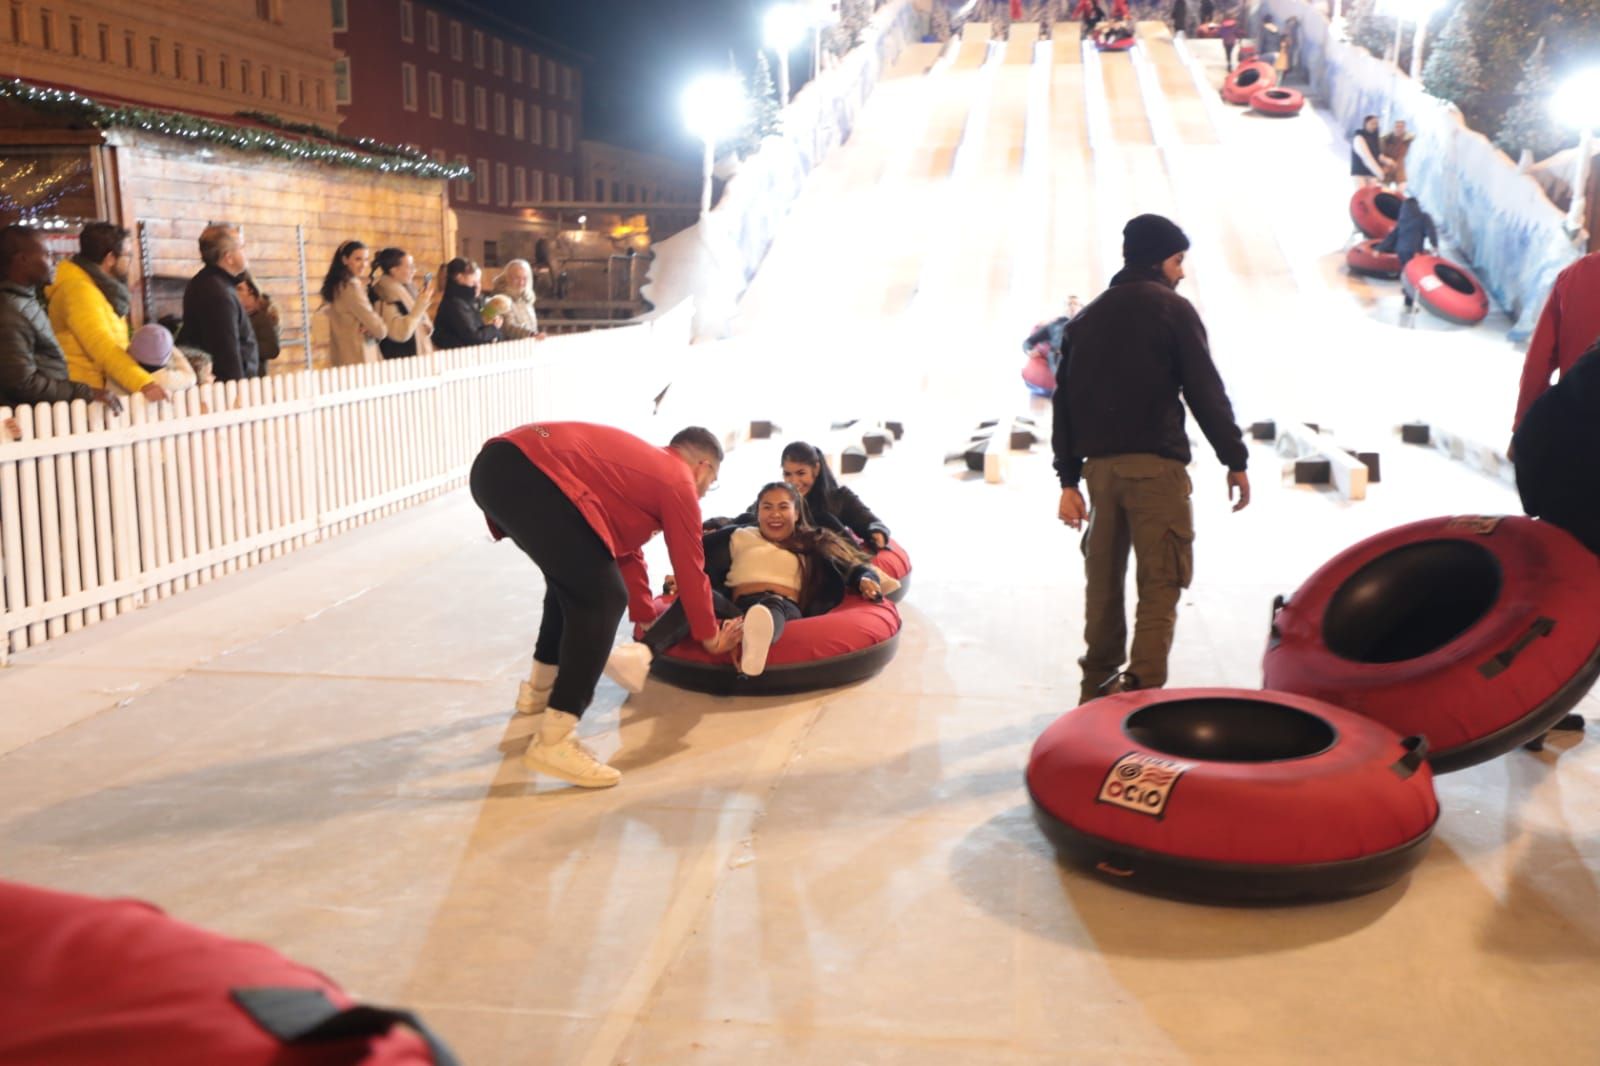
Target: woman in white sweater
408, 329
354, 328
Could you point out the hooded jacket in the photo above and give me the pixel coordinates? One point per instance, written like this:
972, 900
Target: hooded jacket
92, 335
1131, 359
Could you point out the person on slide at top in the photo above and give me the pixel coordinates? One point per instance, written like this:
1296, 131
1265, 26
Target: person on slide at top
778, 569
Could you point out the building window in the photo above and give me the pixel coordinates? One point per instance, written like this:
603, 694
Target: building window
480, 107
463, 183
408, 86
516, 63
499, 53
477, 49
633, 193
103, 39
430, 30
244, 76
550, 85
75, 36
566, 79
200, 74
128, 50
522, 184
552, 130
341, 16
552, 186
536, 124
177, 61
155, 55
536, 186
616, 192
455, 40
458, 102
500, 113
322, 96
599, 190
482, 180
502, 193
270, 10
408, 22
533, 71
566, 122
341, 82
300, 92
47, 30
516, 120
283, 85
566, 188
19, 32
435, 94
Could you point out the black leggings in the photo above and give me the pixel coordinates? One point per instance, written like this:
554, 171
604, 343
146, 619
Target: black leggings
673, 625
585, 597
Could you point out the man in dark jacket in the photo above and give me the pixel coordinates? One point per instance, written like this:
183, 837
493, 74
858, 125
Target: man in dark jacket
33, 368
1411, 232
213, 318
1131, 360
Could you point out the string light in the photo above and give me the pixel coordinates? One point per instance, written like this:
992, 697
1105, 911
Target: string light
363, 153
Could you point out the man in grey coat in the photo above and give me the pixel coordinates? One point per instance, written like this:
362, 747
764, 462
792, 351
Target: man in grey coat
33, 368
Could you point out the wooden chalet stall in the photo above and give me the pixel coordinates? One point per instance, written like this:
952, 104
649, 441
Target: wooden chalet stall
66, 159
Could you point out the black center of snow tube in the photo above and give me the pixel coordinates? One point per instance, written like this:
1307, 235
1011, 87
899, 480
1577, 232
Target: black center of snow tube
1278, 94
1412, 601
1455, 279
1229, 730
1388, 204
1249, 77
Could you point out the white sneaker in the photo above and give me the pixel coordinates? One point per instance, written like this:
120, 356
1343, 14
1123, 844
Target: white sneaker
757, 641
556, 752
628, 665
533, 695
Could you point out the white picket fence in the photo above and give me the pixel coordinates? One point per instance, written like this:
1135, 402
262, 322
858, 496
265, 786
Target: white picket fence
100, 515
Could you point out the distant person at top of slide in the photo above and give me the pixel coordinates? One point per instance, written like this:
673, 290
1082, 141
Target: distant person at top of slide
581, 500
1568, 326
1090, 13
1367, 160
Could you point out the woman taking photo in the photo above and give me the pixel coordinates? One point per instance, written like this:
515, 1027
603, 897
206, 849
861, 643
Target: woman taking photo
409, 330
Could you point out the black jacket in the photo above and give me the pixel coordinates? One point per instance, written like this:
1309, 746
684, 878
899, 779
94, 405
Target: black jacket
33, 368
214, 321
1130, 361
1358, 166
838, 509
825, 585
460, 321
1411, 231
1557, 448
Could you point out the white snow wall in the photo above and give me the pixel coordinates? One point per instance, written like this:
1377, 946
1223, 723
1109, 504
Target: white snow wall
1499, 218
713, 262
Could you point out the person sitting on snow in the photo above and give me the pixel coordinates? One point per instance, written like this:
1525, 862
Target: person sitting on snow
1413, 229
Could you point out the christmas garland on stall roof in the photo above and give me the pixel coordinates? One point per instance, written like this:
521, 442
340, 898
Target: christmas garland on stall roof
363, 154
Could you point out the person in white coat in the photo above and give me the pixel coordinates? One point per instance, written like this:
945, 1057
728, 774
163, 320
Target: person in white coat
354, 328
404, 310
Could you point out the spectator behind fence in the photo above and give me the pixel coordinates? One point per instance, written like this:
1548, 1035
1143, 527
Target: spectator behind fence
213, 318
33, 369
154, 350
460, 324
516, 283
409, 330
199, 361
89, 308
354, 328
263, 315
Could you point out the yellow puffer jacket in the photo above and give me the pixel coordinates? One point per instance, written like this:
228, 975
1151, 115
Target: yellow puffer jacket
93, 337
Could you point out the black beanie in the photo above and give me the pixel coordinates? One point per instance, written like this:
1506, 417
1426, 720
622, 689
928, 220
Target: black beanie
1150, 239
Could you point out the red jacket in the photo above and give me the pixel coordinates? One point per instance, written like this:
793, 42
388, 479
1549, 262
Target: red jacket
628, 489
1568, 327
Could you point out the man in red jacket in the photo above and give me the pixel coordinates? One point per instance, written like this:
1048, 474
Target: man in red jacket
1568, 326
581, 501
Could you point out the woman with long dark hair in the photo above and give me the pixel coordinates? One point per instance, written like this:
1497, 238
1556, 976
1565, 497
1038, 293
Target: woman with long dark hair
403, 308
460, 323
353, 326
831, 505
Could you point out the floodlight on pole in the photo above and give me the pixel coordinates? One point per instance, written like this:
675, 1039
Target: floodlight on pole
1577, 103
786, 26
713, 107
1418, 11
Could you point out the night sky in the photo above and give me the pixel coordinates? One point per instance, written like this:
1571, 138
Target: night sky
641, 55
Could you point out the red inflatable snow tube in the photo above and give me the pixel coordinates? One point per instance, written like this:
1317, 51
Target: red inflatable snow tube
1279, 103
93, 982
1446, 289
1246, 80
1232, 795
1365, 258
1374, 211
850, 643
1476, 633
1038, 376
1114, 44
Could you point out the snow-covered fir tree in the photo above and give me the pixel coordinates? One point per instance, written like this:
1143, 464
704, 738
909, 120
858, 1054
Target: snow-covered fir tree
1452, 71
1529, 124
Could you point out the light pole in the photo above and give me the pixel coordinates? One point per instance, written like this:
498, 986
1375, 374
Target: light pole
1419, 12
1577, 103
713, 107
822, 14
786, 24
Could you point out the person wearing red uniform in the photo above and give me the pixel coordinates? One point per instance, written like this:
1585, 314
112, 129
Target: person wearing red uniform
1568, 326
581, 500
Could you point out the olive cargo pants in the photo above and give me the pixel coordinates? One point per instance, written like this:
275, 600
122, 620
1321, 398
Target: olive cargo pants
1139, 502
